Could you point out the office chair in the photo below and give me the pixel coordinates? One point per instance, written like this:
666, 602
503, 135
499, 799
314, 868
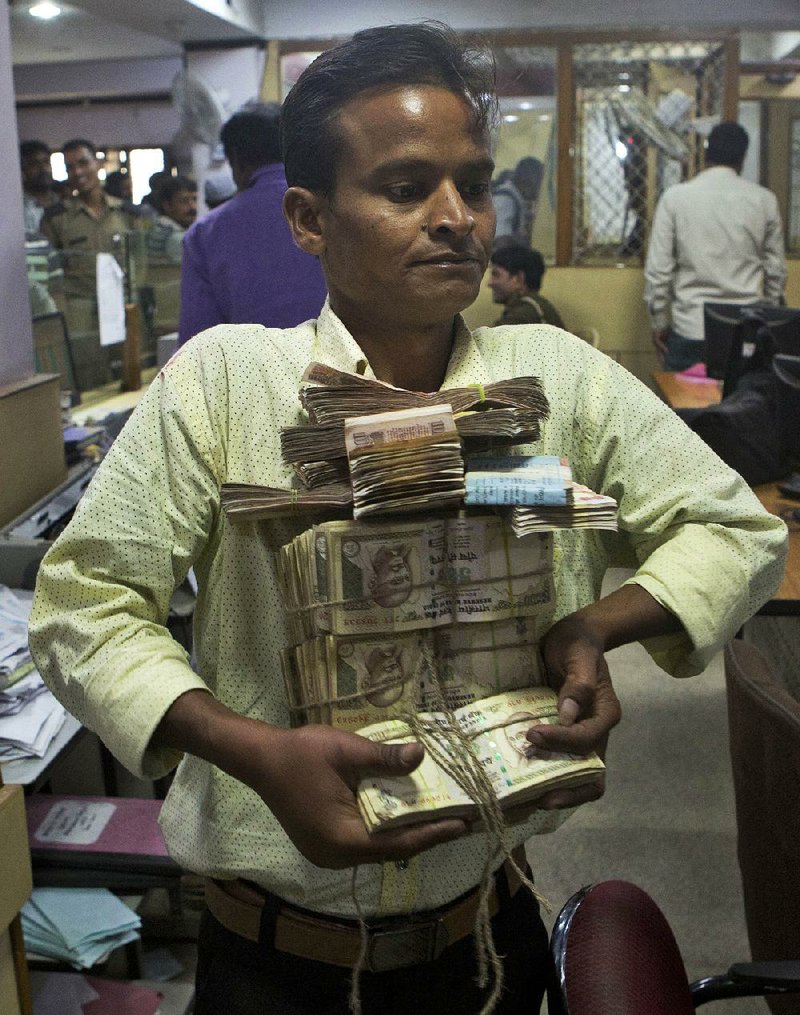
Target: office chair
52, 351
764, 725
612, 952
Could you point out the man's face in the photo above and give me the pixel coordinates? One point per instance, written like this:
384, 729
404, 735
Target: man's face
407, 231
505, 285
36, 172
182, 208
82, 168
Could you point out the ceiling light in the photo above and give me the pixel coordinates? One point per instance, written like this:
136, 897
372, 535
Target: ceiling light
45, 10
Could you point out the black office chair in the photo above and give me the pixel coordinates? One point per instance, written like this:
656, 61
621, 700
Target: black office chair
613, 953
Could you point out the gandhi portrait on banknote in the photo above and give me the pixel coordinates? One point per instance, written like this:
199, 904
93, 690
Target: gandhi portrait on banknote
391, 580
385, 680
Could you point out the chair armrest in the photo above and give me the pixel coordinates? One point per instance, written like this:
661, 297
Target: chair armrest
748, 979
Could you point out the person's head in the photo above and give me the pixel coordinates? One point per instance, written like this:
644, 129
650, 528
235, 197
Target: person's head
80, 158
251, 139
118, 184
218, 187
177, 199
391, 581
527, 177
727, 145
386, 145
34, 160
383, 685
516, 270
155, 181
518, 725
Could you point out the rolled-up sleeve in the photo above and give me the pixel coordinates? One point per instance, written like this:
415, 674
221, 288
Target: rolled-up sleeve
702, 544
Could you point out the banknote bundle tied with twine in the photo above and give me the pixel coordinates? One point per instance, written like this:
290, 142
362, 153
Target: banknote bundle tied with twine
415, 616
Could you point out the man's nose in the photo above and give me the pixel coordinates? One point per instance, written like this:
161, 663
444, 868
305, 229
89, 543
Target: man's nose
449, 212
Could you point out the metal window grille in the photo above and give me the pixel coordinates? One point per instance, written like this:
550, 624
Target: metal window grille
641, 109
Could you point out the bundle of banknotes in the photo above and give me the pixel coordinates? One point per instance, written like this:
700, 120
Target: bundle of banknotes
330, 395
494, 730
390, 615
541, 492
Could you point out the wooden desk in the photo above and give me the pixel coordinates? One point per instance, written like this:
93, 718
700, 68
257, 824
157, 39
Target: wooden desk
786, 601
683, 393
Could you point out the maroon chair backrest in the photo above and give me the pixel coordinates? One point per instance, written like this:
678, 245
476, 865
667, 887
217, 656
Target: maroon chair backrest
622, 957
764, 722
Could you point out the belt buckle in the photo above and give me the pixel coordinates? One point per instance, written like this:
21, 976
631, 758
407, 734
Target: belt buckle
392, 944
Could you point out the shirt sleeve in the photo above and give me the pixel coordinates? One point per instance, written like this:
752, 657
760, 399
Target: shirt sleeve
199, 307
97, 628
774, 254
700, 541
659, 269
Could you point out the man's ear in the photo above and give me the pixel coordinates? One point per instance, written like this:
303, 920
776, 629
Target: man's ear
301, 208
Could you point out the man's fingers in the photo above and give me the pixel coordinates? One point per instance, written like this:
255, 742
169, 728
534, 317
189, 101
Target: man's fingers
403, 843
558, 799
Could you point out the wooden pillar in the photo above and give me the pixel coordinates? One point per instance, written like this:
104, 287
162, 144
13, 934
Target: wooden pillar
565, 153
730, 88
131, 349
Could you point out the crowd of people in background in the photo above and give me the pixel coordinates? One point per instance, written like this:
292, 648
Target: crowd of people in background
224, 259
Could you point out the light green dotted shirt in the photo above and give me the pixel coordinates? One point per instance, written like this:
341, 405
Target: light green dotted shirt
703, 546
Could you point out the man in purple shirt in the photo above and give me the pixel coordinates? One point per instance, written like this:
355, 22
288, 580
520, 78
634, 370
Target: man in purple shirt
240, 264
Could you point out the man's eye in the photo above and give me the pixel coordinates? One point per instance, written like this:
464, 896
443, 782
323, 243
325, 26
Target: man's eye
476, 190
404, 191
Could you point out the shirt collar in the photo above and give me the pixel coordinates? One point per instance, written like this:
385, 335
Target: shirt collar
333, 344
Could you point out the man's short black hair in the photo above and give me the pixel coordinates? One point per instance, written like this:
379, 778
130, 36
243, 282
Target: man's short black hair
113, 182
28, 149
174, 185
78, 142
252, 136
727, 144
516, 258
428, 53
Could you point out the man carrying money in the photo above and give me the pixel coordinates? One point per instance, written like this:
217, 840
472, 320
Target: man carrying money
388, 159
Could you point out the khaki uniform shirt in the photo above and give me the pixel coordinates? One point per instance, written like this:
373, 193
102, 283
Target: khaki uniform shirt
72, 228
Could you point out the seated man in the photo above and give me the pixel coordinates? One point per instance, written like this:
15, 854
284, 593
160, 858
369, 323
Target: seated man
177, 208
515, 278
386, 140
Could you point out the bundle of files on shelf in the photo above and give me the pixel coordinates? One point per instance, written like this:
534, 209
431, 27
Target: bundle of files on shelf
80, 926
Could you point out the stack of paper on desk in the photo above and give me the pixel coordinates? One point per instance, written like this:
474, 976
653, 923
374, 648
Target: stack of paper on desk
29, 719
77, 925
15, 658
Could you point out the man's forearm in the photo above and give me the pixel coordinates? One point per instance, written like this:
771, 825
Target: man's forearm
628, 614
197, 723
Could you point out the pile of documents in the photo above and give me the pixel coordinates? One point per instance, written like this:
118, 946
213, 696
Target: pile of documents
29, 718
15, 658
80, 926
29, 714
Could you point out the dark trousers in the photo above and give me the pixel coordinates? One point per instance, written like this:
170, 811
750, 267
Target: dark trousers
239, 977
682, 352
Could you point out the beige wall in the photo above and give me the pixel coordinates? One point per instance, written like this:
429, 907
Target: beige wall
610, 300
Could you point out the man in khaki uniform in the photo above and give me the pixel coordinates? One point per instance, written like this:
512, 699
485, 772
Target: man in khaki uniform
82, 226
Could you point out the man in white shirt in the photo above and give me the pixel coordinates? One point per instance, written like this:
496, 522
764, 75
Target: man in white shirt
716, 238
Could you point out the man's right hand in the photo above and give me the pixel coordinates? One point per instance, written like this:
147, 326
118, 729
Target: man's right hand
307, 777
659, 337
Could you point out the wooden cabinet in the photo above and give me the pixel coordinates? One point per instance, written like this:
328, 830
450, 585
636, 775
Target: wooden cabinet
15, 887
